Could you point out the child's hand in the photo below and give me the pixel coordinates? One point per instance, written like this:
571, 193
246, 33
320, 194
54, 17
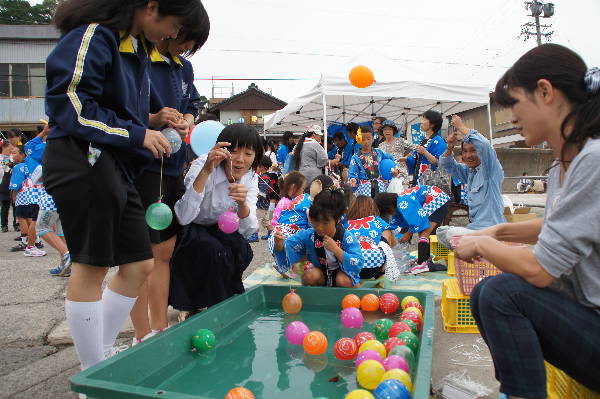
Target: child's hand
238, 192
329, 244
216, 156
157, 143
279, 241
406, 237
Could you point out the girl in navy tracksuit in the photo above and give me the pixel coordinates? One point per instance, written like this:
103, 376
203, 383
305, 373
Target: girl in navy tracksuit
172, 78
98, 101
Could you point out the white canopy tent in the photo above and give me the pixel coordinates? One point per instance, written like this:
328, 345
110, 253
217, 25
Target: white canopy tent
397, 94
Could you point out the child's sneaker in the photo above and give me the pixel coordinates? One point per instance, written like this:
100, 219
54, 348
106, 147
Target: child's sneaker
5, 229
19, 238
34, 251
19, 247
39, 244
64, 270
418, 269
253, 238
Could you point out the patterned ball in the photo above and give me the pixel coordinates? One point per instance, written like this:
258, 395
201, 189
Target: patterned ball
369, 302
400, 375
345, 349
381, 328
408, 299
203, 340
392, 342
414, 304
359, 394
374, 345
369, 374
315, 343
397, 328
414, 317
411, 324
240, 393
405, 352
351, 301
410, 340
391, 389
389, 303
414, 310
363, 337
173, 138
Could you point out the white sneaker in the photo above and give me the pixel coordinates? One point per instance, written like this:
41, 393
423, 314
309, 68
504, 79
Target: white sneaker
34, 251
114, 350
418, 269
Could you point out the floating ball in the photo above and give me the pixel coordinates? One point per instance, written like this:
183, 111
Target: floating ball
315, 343
352, 318
369, 374
414, 317
392, 342
410, 340
351, 301
389, 303
373, 345
408, 299
204, 136
295, 332
345, 349
240, 393
361, 76
203, 340
400, 375
359, 394
291, 303
414, 304
368, 354
363, 337
397, 328
395, 362
385, 168
369, 302
404, 352
414, 310
391, 389
381, 328
159, 216
411, 324
173, 138
228, 222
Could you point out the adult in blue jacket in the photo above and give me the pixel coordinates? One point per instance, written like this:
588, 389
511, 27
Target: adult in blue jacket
98, 101
172, 79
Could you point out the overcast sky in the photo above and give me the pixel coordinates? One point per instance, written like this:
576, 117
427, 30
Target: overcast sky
291, 39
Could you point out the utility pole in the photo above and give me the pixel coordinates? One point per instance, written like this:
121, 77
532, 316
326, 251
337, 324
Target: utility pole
538, 8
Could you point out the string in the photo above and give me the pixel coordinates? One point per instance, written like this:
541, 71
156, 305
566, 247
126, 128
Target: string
162, 160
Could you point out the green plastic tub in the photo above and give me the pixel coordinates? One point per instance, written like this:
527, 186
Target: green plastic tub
251, 351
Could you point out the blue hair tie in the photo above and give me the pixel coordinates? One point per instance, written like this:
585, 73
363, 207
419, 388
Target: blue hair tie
592, 80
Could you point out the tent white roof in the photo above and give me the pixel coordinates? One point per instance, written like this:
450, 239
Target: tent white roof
398, 93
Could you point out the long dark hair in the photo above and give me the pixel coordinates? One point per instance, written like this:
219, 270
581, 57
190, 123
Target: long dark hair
287, 140
298, 150
565, 70
117, 15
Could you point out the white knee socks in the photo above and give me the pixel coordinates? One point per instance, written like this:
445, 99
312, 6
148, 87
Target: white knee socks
116, 309
85, 322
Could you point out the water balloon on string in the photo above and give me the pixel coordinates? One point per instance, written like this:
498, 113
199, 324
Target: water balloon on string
158, 215
173, 138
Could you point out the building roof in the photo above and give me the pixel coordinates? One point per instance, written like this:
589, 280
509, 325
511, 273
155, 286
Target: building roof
251, 98
29, 32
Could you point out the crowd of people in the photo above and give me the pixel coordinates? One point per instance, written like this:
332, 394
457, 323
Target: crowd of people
330, 213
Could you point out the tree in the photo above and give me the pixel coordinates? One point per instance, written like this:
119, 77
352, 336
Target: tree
20, 12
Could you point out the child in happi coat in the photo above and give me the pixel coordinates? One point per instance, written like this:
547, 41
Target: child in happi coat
420, 209
333, 253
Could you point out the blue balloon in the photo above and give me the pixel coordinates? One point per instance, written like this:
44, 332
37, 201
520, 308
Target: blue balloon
391, 389
204, 136
385, 168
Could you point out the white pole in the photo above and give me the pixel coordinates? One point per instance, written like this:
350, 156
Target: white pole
324, 123
490, 124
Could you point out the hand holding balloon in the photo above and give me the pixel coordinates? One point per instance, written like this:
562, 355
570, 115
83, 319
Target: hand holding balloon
157, 143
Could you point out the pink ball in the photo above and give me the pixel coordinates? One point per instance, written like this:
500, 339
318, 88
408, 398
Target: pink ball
295, 332
395, 362
367, 354
229, 222
352, 318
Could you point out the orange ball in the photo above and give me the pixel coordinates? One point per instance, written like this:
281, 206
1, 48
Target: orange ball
351, 301
291, 303
361, 76
370, 303
345, 349
240, 393
315, 343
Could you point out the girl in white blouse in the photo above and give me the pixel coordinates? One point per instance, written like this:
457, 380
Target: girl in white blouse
207, 264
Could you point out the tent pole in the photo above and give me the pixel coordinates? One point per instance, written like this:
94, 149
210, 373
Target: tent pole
489, 111
343, 110
324, 123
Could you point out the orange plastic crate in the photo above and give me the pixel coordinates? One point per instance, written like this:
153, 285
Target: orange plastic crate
456, 309
561, 386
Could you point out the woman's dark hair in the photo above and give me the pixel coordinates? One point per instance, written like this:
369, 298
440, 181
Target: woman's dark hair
339, 136
298, 150
362, 207
293, 178
207, 117
117, 15
14, 133
566, 71
435, 118
326, 181
198, 32
244, 136
287, 140
386, 203
328, 204
352, 127
271, 145
266, 162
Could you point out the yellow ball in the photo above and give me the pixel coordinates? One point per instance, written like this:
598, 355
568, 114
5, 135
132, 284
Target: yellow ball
400, 375
360, 394
416, 310
370, 374
408, 299
375, 346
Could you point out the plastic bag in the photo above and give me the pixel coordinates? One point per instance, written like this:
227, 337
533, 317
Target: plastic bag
403, 259
396, 186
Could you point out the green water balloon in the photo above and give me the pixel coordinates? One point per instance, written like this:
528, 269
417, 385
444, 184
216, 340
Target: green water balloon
159, 216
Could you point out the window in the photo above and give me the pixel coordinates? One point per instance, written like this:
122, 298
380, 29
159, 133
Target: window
22, 80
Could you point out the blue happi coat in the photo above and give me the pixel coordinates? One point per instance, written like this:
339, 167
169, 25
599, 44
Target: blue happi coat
415, 205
